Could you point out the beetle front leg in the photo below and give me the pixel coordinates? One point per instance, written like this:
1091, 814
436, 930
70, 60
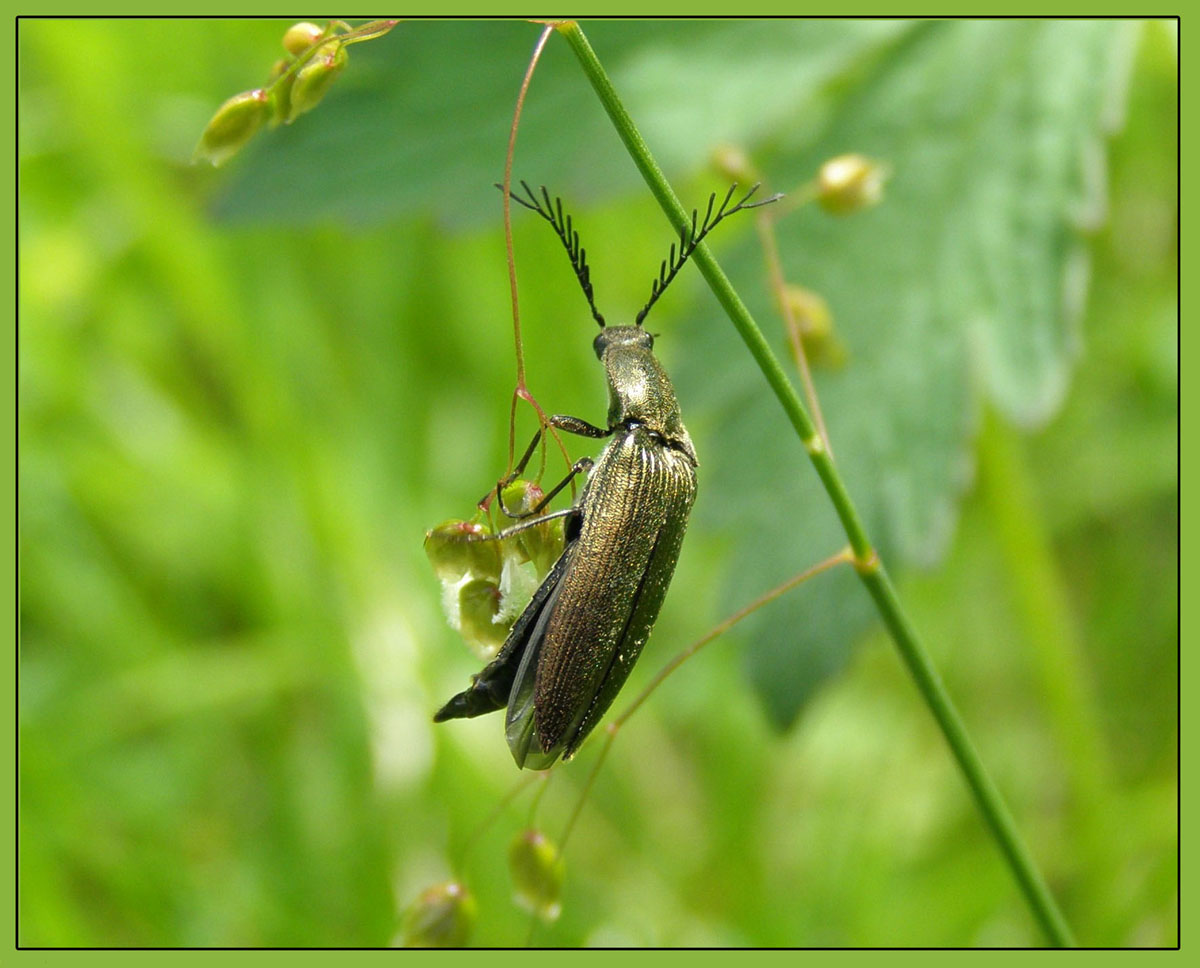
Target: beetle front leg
581, 466
581, 428
572, 425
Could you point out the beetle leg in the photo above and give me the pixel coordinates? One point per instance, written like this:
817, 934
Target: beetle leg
526, 524
581, 466
573, 425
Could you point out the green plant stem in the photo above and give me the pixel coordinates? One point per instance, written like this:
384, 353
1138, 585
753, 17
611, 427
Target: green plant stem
870, 568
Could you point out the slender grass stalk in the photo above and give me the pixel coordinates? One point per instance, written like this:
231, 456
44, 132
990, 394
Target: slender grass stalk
870, 569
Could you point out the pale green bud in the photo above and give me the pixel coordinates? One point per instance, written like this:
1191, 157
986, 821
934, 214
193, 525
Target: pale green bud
813, 318
300, 37
459, 548
314, 79
732, 162
478, 611
235, 122
537, 871
848, 183
441, 917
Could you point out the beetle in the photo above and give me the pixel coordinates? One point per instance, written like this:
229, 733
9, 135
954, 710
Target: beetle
572, 648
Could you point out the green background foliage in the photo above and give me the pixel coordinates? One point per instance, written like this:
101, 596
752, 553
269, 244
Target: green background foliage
244, 395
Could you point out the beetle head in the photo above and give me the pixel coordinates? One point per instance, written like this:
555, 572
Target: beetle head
624, 336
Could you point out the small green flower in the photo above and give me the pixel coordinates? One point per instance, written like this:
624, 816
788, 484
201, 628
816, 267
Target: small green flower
441, 917
734, 164
814, 319
848, 183
543, 544
537, 871
234, 124
455, 549
315, 78
479, 616
301, 36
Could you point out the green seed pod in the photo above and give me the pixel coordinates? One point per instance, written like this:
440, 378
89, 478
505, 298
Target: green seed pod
281, 101
537, 871
235, 122
848, 183
300, 37
521, 496
441, 917
479, 620
544, 544
541, 545
315, 78
281, 90
815, 321
455, 551
809, 310
733, 163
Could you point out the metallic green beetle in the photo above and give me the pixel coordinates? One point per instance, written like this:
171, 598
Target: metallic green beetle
571, 650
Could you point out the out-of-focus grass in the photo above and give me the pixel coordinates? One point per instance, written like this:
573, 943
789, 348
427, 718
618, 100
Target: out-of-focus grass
231, 444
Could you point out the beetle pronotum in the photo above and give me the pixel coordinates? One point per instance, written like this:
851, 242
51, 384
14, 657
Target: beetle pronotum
571, 649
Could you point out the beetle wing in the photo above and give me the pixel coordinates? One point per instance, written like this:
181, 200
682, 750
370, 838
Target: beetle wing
490, 689
585, 642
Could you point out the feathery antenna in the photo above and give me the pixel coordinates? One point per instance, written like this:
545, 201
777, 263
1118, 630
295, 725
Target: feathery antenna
553, 213
692, 236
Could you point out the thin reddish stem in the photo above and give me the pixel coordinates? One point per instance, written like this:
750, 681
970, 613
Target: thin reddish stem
508, 166
522, 389
766, 233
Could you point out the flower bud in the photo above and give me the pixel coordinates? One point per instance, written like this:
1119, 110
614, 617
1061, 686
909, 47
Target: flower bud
809, 310
537, 873
235, 123
544, 544
281, 101
440, 918
811, 314
315, 78
848, 183
479, 617
300, 37
456, 549
732, 163
521, 496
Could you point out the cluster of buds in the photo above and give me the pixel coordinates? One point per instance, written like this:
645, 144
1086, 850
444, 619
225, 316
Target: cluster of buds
298, 82
487, 580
